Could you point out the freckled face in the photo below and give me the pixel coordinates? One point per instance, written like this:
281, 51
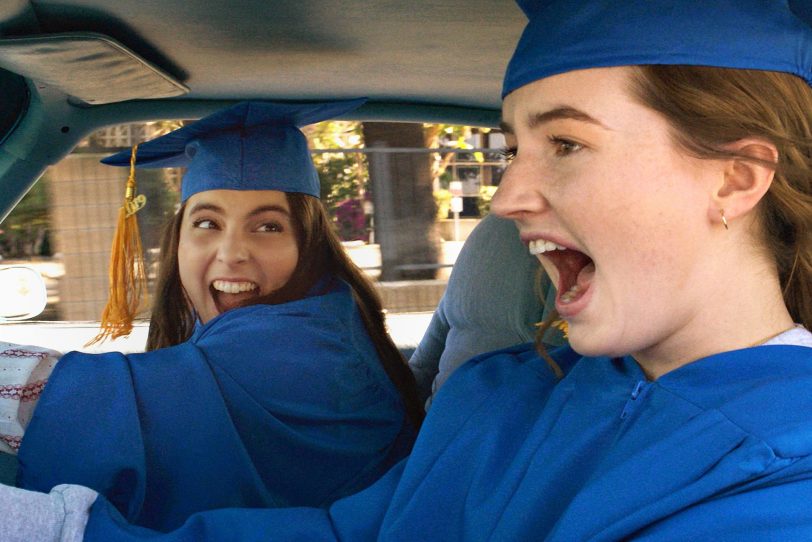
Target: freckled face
235, 245
615, 212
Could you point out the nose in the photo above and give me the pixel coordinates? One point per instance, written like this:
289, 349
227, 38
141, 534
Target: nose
519, 193
233, 248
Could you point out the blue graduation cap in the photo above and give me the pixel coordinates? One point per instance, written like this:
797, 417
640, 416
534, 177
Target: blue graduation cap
250, 146
562, 36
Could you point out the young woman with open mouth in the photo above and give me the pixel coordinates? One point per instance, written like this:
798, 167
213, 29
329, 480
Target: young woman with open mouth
662, 173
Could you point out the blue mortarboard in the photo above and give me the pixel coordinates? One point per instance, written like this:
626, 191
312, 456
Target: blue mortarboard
562, 36
250, 146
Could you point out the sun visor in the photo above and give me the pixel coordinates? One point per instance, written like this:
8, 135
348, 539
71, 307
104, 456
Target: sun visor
91, 67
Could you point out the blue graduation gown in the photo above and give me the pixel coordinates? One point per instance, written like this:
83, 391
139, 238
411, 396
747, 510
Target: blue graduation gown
720, 449
265, 406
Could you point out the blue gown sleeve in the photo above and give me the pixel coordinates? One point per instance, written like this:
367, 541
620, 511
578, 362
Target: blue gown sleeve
268, 406
65, 442
777, 512
355, 518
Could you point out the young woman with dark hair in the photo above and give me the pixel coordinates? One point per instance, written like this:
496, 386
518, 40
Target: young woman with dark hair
269, 380
320, 255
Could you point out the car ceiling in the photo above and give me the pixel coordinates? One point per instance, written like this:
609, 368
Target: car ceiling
431, 61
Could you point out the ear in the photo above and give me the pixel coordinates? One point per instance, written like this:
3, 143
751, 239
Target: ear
747, 178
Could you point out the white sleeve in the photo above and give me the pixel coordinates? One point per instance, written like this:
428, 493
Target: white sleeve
58, 516
24, 371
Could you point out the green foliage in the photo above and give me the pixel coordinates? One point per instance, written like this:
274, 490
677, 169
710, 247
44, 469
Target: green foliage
25, 232
484, 200
343, 176
443, 199
452, 137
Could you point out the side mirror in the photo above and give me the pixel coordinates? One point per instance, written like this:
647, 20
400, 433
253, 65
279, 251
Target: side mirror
23, 294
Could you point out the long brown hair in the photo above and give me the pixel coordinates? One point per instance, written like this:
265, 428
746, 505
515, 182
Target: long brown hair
320, 255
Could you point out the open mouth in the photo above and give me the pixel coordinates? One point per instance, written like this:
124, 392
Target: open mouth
228, 294
575, 269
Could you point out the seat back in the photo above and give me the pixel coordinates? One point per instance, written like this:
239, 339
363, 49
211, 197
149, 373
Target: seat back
493, 300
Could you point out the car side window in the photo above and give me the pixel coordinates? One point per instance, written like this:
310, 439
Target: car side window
65, 224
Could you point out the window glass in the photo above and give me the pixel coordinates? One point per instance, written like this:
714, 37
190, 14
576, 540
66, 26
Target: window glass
402, 204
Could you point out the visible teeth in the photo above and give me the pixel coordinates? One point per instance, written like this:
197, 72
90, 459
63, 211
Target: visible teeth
570, 294
233, 287
540, 246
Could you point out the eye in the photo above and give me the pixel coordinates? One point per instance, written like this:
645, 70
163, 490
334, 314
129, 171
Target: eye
271, 227
204, 224
564, 147
507, 154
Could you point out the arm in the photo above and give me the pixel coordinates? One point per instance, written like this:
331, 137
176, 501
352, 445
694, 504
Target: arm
72, 513
425, 361
278, 407
772, 512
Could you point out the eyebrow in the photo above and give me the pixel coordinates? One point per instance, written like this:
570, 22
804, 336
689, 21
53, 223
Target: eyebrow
557, 113
205, 206
269, 208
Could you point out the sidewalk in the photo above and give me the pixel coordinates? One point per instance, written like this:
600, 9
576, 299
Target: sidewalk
406, 296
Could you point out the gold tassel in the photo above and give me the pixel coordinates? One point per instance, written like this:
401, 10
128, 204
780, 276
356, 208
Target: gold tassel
559, 324
128, 278
563, 326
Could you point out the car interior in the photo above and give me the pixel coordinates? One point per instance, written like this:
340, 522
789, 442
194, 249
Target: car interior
71, 67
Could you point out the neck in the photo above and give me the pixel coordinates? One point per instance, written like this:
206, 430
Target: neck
743, 310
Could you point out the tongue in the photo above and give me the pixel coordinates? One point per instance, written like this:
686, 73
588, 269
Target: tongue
574, 267
576, 271
585, 276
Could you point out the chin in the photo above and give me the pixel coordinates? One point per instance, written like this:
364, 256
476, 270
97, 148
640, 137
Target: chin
591, 345
584, 348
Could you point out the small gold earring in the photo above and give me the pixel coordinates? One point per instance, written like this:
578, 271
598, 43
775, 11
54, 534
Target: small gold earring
724, 220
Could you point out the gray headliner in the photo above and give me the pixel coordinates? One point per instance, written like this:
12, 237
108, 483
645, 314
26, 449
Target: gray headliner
420, 60
440, 52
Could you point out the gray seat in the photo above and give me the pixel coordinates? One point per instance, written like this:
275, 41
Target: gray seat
493, 300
